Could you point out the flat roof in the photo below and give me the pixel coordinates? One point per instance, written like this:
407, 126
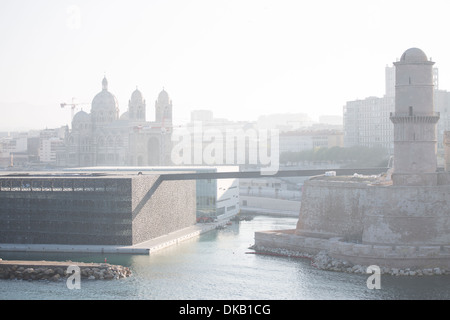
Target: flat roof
167, 169
83, 174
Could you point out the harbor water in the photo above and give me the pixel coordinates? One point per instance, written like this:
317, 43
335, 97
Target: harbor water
217, 265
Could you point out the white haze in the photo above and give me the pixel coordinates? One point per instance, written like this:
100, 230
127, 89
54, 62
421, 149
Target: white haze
238, 58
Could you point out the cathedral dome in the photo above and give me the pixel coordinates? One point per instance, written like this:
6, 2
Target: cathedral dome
125, 116
414, 55
81, 121
104, 102
81, 117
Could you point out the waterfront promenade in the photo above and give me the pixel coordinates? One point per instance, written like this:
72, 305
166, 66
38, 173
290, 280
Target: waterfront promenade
146, 247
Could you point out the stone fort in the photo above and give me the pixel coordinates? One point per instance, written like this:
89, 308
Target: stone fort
399, 219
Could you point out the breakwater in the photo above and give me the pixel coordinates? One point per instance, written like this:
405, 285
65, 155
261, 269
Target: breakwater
56, 270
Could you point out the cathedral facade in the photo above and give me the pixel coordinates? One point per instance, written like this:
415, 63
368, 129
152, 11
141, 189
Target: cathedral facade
103, 137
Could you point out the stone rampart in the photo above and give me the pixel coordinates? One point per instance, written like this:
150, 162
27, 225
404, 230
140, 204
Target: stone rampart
332, 209
398, 256
376, 214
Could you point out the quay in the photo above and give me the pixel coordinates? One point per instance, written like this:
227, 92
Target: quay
144, 248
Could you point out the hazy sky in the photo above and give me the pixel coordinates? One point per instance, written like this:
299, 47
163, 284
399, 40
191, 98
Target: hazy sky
239, 58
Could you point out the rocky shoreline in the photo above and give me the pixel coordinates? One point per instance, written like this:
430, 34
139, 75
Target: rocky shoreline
56, 271
323, 261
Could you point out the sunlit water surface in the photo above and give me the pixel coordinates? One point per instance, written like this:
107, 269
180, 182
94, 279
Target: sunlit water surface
217, 265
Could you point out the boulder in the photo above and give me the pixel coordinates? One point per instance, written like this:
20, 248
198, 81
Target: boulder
56, 277
49, 271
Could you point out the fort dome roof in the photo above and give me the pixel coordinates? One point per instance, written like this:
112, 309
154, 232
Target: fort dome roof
414, 55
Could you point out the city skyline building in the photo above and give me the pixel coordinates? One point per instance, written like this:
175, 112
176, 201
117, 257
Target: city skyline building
366, 121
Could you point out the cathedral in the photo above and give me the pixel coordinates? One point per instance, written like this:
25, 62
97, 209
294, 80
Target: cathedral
103, 137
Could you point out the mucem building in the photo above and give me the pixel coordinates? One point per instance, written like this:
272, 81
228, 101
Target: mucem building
92, 208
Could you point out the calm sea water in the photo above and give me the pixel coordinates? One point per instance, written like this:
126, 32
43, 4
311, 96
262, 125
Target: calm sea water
216, 266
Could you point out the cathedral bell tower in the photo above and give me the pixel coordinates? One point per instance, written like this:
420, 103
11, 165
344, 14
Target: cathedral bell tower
136, 107
163, 110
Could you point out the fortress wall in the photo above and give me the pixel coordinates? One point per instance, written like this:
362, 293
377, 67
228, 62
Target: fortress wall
398, 215
393, 256
331, 209
409, 215
289, 240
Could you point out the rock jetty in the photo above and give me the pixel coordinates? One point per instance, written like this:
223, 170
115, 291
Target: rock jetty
56, 270
324, 262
